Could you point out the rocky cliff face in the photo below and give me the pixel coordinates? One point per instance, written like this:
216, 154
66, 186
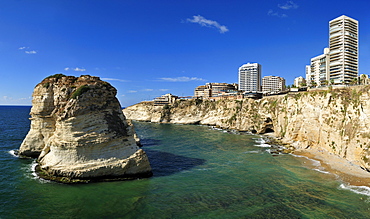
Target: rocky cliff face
78, 131
334, 121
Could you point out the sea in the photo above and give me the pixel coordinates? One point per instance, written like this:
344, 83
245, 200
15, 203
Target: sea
198, 172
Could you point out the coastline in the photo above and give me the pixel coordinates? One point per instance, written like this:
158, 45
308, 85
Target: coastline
343, 169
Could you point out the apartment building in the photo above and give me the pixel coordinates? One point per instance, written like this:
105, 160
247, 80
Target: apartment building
319, 73
343, 45
271, 84
214, 89
250, 77
339, 63
298, 81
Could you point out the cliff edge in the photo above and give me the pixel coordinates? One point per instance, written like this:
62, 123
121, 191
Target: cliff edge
332, 121
78, 132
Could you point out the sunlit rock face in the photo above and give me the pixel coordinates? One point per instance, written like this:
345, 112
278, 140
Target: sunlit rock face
78, 131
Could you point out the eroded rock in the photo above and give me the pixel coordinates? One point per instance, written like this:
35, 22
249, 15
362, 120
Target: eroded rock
78, 131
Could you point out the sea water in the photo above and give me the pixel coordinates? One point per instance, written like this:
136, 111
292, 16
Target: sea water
199, 172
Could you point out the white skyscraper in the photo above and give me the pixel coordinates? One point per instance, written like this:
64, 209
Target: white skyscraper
250, 77
343, 45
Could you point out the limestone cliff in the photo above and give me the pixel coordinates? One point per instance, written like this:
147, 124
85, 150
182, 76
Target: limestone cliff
78, 131
335, 121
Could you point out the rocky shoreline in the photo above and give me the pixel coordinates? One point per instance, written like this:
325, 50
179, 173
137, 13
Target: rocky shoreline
325, 124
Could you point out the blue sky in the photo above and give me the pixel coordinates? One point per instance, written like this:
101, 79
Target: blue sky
149, 48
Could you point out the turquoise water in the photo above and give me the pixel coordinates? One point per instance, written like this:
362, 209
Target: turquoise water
199, 172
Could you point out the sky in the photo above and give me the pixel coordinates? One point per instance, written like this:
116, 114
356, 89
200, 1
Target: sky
147, 48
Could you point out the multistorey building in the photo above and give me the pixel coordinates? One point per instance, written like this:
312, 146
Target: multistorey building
214, 89
339, 63
250, 77
319, 73
308, 75
299, 81
271, 84
343, 45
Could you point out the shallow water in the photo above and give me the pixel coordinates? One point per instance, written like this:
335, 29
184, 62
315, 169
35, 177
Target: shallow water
198, 173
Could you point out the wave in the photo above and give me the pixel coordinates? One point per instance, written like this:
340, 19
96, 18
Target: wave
362, 190
13, 153
261, 143
314, 162
252, 152
322, 171
30, 172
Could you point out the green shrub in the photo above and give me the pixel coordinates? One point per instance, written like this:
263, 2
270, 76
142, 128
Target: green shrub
79, 91
57, 76
46, 85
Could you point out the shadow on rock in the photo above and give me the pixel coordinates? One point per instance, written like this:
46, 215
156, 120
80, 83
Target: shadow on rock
165, 164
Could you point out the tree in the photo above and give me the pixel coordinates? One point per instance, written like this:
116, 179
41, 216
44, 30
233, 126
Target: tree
363, 78
354, 81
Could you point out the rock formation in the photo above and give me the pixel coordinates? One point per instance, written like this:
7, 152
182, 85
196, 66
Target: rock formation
335, 121
78, 131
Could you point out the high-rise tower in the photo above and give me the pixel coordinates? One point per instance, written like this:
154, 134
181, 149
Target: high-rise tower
250, 77
343, 45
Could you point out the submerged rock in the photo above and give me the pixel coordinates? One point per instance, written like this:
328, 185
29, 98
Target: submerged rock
78, 131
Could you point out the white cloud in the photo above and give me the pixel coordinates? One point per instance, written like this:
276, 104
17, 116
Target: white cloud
79, 69
114, 79
163, 89
208, 23
74, 69
182, 79
132, 91
276, 14
23, 47
31, 52
288, 5
148, 90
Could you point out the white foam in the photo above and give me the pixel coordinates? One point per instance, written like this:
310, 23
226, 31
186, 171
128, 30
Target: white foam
12, 152
261, 143
322, 171
34, 175
33, 169
362, 190
314, 162
252, 152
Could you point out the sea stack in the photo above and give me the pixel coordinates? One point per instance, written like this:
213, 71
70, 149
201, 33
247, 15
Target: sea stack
79, 133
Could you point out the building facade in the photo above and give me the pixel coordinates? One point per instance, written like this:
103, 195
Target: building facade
166, 99
273, 84
250, 77
308, 75
319, 73
299, 81
343, 45
214, 89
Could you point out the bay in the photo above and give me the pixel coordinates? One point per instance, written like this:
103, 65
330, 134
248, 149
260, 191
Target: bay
199, 172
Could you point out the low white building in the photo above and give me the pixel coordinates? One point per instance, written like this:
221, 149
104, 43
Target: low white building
165, 99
